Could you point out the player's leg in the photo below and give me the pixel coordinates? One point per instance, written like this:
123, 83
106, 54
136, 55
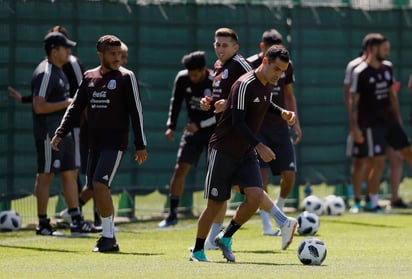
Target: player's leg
286, 224
395, 172
358, 177
374, 180
264, 215
101, 170
216, 228
177, 183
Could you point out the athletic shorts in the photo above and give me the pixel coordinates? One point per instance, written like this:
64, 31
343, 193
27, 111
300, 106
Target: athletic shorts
102, 166
192, 145
377, 138
224, 171
52, 161
280, 142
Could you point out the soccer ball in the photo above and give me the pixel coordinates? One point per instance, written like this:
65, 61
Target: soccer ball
10, 220
308, 223
334, 205
312, 251
313, 204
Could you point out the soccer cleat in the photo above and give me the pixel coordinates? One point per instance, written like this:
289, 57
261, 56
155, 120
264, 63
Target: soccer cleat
106, 245
167, 222
225, 244
198, 256
83, 227
356, 208
288, 231
399, 203
44, 228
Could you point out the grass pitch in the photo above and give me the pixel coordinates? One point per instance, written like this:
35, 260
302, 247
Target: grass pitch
361, 245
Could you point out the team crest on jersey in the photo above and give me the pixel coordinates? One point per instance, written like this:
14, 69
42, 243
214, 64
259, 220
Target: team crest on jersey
225, 74
188, 90
61, 82
112, 84
387, 75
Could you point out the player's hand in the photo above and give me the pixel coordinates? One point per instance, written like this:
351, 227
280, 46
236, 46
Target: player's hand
289, 116
191, 127
55, 142
140, 156
298, 133
170, 134
220, 106
265, 152
357, 135
14, 94
205, 103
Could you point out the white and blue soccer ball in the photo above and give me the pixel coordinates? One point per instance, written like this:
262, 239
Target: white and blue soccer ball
313, 204
334, 205
308, 223
312, 251
10, 220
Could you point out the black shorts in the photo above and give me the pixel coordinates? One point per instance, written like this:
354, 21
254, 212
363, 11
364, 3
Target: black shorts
280, 142
52, 161
102, 166
376, 140
192, 145
224, 171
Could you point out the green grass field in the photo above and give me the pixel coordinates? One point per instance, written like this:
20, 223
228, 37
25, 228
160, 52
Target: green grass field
361, 245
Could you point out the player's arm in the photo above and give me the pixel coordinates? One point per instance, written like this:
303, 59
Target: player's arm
136, 114
41, 106
175, 106
290, 101
357, 133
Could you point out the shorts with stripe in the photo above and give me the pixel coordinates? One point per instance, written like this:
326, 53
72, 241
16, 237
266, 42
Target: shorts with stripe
280, 142
224, 171
52, 161
376, 140
102, 166
192, 145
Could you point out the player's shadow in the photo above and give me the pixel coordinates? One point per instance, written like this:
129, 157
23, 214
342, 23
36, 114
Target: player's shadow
363, 224
38, 249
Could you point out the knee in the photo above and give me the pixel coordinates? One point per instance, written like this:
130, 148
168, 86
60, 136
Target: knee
254, 195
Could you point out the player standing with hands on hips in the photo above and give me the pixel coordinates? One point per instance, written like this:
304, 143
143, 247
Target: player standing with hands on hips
110, 95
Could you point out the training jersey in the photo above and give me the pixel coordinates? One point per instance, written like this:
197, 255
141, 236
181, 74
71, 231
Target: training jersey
49, 82
349, 69
226, 74
373, 86
111, 100
251, 98
74, 71
191, 93
277, 96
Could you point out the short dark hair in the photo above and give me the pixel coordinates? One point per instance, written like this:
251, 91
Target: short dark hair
277, 51
194, 60
271, 37
107, 40
227, 32
372, 39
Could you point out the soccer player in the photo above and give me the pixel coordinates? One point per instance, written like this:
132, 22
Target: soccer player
375, 116
275, 131
51, 96
190, 85
360, 171
232, 158
228, 67
110, 95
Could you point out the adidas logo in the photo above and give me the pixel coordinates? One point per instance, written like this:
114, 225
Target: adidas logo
106, 177
256, 100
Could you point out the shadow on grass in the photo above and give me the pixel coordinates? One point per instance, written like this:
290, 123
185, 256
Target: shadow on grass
38, 249
362, 224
